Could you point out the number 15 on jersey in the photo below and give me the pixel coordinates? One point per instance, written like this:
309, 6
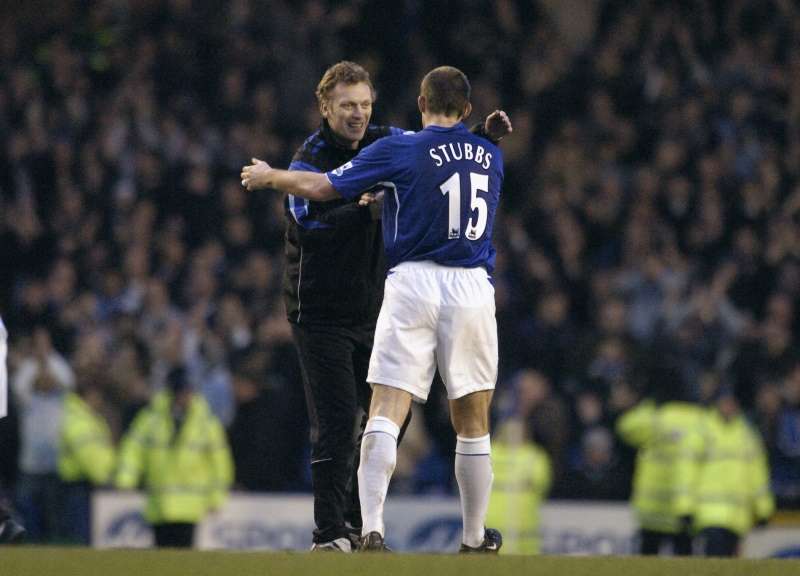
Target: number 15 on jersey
476, 225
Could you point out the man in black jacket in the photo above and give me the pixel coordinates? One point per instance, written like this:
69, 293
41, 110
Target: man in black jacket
333, 288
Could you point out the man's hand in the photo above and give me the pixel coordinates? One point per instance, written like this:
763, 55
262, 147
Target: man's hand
253, 176
498, 125
375, 202
368, 198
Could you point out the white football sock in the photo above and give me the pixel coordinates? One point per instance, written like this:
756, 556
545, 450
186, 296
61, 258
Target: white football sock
378, 458
474, 476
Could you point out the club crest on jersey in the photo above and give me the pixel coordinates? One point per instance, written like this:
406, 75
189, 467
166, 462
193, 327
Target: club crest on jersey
340, 170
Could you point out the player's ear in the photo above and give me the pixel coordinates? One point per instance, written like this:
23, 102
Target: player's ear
467, 111
324, 108
421, 103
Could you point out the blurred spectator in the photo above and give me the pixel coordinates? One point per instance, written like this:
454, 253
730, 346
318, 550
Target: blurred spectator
733, 486
522, 478
545, 340
177, 450
705, 328
261, 460
666, 432
770, 353
531, 399
39, 385
598, 473
786, 455
86, 457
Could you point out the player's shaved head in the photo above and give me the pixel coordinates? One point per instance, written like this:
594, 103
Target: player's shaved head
446, 91
344, 72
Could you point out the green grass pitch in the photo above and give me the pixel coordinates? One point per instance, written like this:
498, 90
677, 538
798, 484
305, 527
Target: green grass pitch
86, 562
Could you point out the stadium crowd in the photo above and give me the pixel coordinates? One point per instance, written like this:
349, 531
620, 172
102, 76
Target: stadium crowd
651, 195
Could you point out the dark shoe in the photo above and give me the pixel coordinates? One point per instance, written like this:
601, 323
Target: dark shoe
11, 532
354, 535
338, 545
492, 542
373, 542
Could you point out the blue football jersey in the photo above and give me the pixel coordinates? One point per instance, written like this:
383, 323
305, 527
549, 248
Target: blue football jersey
442, 190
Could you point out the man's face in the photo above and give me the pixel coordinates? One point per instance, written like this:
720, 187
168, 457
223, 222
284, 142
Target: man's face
182, 399
728, 407
348, 110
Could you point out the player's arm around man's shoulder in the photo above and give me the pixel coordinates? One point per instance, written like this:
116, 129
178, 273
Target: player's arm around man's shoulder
310, 185
372, 165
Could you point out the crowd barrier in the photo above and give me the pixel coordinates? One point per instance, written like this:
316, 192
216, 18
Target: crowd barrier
413, 524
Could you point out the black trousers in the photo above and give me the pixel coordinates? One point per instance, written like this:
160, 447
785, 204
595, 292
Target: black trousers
334, 362
650, 543
76, 516
174, 534
719, 542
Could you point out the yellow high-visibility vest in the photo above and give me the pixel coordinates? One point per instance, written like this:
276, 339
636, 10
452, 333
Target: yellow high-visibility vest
522, 477
185, 472
733, 490
86, 449
669, 442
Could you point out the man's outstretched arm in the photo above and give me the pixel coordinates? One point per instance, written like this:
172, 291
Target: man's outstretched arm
310, 185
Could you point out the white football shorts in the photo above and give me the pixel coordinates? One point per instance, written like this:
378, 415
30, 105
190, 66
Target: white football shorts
431, 316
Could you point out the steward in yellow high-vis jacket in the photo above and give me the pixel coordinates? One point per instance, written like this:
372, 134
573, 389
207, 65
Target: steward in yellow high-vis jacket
522, 478
86, 458
179, 449
733, 491
666, 431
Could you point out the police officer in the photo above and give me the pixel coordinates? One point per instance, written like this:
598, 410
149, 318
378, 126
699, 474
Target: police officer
522, 479
733, 491
177, 447
666, 431
86, 457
